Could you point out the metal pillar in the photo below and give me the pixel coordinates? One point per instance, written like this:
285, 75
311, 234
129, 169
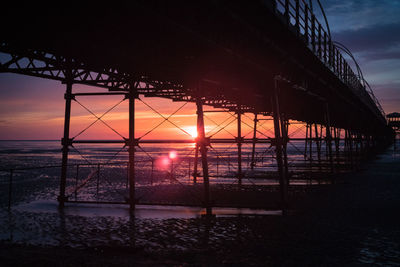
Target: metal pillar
350, 143
203, 142
285, 138
278, 145
253, 151
239, 144
66, 142
329, 136
196, 159
131, 147
368, 144
306, 142
310, 149
337, 144
356, 146
318, 142
362, 148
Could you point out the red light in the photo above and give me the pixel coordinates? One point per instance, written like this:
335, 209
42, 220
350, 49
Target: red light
172, 155
165, 161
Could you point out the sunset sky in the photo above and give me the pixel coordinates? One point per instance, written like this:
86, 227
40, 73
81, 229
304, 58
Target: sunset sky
33, 108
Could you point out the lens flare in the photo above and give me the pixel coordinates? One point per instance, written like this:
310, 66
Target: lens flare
165, 161
173, 154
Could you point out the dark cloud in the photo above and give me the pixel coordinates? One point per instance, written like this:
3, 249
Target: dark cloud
377, 38
358, 14
388, 95
352, 5
381, 55
387, 88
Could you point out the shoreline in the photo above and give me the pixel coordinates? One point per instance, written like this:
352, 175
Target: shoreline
349, 223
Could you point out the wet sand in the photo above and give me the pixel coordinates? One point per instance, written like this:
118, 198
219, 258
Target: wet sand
353, 222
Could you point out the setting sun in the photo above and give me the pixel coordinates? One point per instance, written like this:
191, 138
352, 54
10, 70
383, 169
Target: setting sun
192, 130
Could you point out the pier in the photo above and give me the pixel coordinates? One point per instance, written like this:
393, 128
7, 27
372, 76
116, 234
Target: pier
254, 61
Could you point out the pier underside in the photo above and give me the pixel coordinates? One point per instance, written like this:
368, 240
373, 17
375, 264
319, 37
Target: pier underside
261, 60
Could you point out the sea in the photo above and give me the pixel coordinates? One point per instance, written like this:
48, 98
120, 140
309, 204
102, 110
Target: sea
100, 171
30, 177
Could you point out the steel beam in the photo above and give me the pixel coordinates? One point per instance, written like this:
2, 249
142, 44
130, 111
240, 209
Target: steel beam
196, 162
318, 136
329, 136
202, 142
65, 143
131, 147
285, 137
278, 145
253, 150
178, 141
239, 144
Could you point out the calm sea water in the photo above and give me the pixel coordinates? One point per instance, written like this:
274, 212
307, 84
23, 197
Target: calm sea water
35, 220
100, 171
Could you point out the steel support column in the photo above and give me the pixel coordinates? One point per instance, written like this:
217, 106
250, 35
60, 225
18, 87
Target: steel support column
310, 137
350, 142
253, 150
66, 142
318, 142
131, 147
278, 145
285, 139
362, 148
239, 144
202, 142
337, 144
195, 164
306, 142
329, 136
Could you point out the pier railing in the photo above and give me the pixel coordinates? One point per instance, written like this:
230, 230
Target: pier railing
301, 19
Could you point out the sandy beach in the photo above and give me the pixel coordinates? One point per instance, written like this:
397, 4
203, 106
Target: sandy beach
353, 222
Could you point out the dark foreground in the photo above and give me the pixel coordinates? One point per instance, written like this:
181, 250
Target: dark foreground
353, 222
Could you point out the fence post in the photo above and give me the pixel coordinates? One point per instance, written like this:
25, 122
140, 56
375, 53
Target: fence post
287, 12
313, 37
298, 16
320, 41
306, 23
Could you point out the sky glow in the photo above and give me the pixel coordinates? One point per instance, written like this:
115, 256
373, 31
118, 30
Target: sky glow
33, 108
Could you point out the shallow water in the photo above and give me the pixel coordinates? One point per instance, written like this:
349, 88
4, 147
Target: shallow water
99, 171
154, 228
141, 211
243, 234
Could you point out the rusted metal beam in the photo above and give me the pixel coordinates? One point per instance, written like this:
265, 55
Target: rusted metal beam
202, 142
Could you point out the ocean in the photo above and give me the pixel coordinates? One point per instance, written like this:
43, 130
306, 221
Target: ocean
242, 235
100, 171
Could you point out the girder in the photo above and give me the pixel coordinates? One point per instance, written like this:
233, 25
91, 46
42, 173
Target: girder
235, 52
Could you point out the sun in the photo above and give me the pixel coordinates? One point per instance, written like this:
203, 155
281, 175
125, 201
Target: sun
192, 130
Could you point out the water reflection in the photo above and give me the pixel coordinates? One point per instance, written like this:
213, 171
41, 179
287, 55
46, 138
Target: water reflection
155, 227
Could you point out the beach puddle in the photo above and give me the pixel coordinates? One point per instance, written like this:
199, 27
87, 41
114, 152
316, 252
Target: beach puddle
153, 228
141, 212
